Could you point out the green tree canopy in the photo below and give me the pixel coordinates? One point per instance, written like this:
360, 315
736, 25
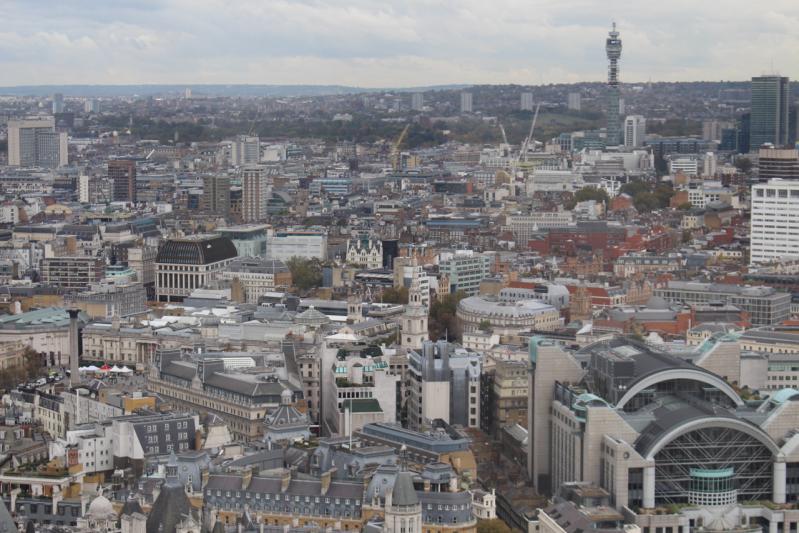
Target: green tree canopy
393, 295
305, 273
589, 193
743, 164
442, 321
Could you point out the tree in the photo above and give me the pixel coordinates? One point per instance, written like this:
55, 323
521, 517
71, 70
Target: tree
484, 325
442, 321
685, 206
635, 187
744, 165
661, 166
645, 201
393, 295
305, 273
493, 526
589, 193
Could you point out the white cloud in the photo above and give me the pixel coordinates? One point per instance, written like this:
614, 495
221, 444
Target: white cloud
391, 43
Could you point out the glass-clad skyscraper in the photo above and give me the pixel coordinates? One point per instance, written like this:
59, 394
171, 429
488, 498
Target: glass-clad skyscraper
769, 115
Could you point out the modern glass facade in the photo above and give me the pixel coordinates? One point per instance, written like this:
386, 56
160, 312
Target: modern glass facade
769, 115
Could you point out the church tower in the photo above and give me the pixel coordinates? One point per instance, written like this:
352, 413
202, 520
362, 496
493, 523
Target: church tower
414, 319
354, 309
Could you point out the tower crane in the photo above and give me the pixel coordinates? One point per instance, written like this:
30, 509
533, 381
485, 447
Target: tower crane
504, 137
396, 159
529, 139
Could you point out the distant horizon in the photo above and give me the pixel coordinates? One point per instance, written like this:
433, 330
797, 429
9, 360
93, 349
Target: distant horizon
286, 90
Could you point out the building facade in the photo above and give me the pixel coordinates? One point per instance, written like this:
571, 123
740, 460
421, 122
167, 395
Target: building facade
72, 273
774, 222
254, 194
256, 277
672, 443
122, 175
634, 131
34, 142
183, 265
465, 272
443, 383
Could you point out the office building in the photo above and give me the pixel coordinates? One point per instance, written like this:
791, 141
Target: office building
141, 259
245, 150
634, 131
769, 111
216, 195
688, 165
466, 102
122, 175
780, 163
255, 192
239, 387
331, 186
774, 234
417, 101
34, 142
283, 245
58, 103
765, 305
709, 165
183, 265
255, 277
526, 103
249, 239
465, 272
443, 384
671, 441
614, 136
712, 129
505, 390
135, 438
91, 106
574, 102
108, 300
84, 189
356, 390
72, 273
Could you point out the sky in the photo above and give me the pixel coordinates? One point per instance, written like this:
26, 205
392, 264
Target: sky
406, 43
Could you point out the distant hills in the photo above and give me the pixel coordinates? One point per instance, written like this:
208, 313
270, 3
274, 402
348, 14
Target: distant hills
204, 90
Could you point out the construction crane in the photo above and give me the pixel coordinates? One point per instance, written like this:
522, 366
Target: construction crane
396, 158
529, 139
504, 137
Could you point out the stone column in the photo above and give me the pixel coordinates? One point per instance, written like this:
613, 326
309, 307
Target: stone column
74, 355
649, 487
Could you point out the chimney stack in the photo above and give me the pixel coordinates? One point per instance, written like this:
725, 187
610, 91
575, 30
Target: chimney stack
74, 355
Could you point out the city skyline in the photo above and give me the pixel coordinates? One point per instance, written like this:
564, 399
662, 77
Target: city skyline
366, 44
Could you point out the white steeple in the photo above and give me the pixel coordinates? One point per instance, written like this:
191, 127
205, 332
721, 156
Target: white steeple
414, 319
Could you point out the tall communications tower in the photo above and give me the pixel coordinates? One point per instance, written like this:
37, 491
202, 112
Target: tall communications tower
613, 49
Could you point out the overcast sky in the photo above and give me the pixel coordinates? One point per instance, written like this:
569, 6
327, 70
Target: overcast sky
373, 43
